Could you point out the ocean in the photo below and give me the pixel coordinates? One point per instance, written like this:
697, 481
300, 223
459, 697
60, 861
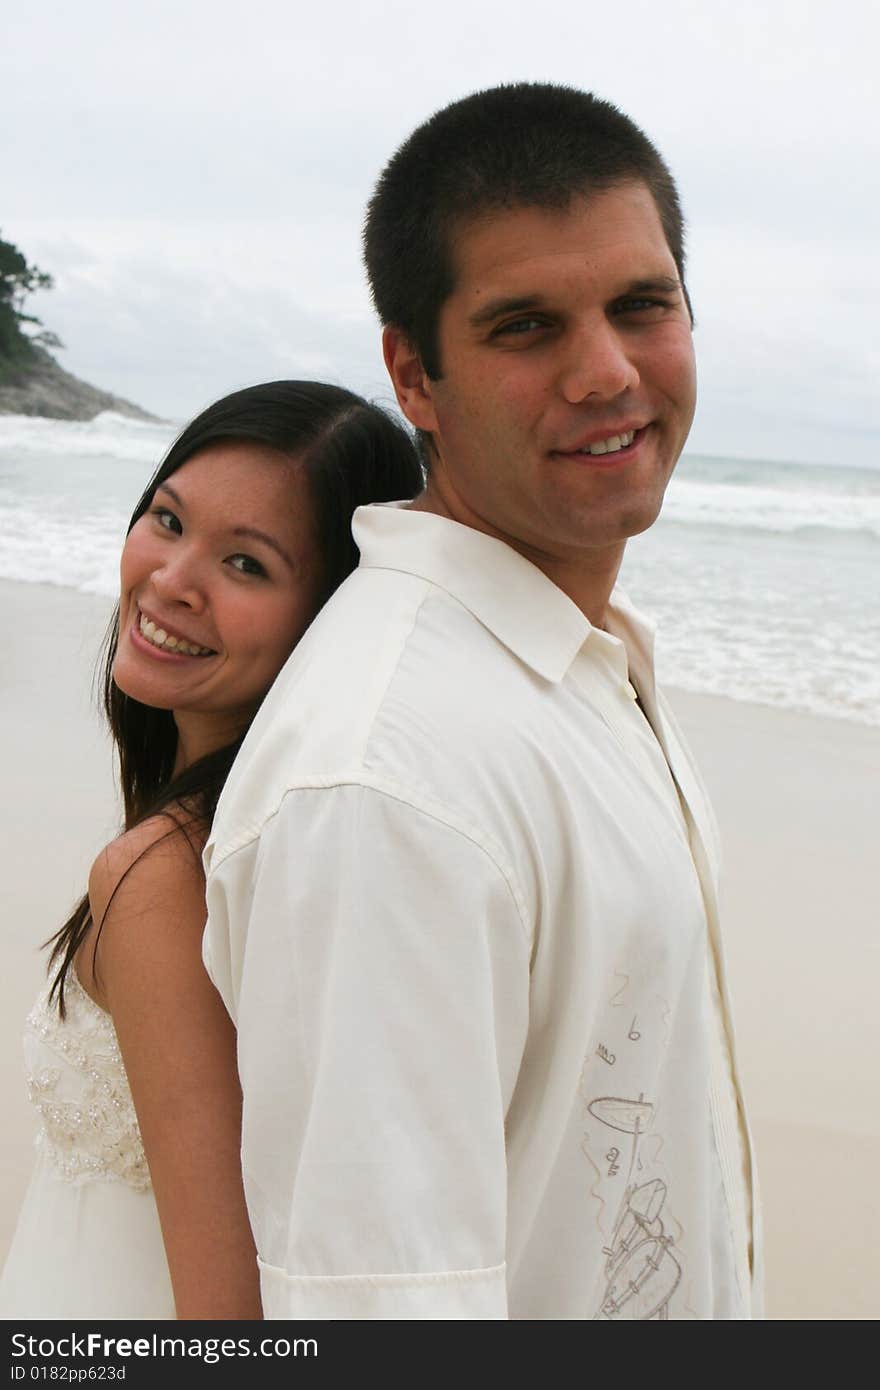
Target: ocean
762, 576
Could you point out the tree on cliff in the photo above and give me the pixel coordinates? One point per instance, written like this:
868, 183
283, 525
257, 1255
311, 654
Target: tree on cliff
17, 281
31, 381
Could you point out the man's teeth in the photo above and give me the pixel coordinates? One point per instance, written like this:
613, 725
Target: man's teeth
610, 446
160, 638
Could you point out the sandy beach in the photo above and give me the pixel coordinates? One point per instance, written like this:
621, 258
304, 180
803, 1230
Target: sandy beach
796, 797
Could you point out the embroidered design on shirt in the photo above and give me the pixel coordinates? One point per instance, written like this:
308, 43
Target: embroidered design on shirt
616, 1000
641, 1268
643, 1260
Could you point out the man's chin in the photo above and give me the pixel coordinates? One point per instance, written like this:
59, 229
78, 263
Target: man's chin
615, 529
640, 522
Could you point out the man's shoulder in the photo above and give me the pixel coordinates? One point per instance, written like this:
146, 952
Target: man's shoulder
394, 679
386, 641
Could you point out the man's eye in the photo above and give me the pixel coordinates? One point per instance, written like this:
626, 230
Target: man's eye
167, 520
639, 304
517, 326
246, 564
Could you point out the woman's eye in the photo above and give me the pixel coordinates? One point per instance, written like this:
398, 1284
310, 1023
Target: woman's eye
167, 520
246, 564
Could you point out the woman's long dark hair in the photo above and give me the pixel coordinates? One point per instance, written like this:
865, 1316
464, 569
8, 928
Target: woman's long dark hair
351, 452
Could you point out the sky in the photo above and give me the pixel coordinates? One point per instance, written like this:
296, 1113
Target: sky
193, 173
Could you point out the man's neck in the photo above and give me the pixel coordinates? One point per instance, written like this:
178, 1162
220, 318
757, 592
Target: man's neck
587, 577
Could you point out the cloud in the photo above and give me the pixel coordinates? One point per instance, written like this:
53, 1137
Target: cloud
195, 176
175, 316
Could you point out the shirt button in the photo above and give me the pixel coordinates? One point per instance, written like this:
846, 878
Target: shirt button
629, 690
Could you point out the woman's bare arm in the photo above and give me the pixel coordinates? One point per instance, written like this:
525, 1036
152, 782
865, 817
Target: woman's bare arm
178, 1046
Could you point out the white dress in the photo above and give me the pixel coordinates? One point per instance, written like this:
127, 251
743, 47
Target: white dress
88, 1242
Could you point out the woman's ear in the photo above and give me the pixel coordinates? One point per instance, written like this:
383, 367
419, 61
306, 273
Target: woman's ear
412, 385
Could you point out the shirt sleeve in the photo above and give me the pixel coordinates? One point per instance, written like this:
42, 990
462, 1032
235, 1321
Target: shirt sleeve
376, 964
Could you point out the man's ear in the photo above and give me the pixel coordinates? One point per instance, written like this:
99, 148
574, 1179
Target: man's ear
412, 385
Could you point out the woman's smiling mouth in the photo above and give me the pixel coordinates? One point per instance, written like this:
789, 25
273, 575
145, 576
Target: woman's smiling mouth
163, 640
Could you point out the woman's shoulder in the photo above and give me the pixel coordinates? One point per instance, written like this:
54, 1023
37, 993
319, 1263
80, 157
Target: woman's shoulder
163, 851
147, 898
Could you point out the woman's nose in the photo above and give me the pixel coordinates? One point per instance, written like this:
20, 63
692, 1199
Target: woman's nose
180, 579
597, 363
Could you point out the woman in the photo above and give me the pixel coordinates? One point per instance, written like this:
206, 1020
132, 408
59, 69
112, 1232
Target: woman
136, 1207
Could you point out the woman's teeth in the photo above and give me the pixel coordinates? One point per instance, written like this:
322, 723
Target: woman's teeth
160, 638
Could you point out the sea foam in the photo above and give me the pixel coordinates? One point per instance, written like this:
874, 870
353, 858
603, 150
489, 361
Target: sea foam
761, 575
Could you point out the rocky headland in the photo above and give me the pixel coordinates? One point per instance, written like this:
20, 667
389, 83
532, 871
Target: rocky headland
37, 385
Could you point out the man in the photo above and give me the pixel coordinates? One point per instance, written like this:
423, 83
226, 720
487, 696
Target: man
461, 887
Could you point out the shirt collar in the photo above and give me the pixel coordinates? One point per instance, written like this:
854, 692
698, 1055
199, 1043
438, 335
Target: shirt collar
636, 632
507, 593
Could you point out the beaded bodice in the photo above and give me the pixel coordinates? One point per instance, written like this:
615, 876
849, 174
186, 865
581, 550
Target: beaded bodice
77, 1082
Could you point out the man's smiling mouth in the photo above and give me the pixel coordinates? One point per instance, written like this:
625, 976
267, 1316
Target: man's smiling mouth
611, 444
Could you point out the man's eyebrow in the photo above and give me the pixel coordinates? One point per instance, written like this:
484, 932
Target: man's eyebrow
250, 532
657, 284
497, 307
522, 303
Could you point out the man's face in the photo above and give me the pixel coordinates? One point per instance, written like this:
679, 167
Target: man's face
567, 334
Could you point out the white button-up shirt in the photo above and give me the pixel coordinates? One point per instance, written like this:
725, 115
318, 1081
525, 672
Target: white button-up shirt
461, 892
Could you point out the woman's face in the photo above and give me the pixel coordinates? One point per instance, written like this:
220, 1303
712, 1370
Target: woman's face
219, 580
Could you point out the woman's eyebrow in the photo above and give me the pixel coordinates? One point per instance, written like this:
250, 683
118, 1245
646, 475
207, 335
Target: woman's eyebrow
249, 532
175, 496
253, 534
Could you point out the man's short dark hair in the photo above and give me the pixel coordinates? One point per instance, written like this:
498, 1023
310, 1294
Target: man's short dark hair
527, 144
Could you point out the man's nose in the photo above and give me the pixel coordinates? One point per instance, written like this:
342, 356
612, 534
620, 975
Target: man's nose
597, 363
